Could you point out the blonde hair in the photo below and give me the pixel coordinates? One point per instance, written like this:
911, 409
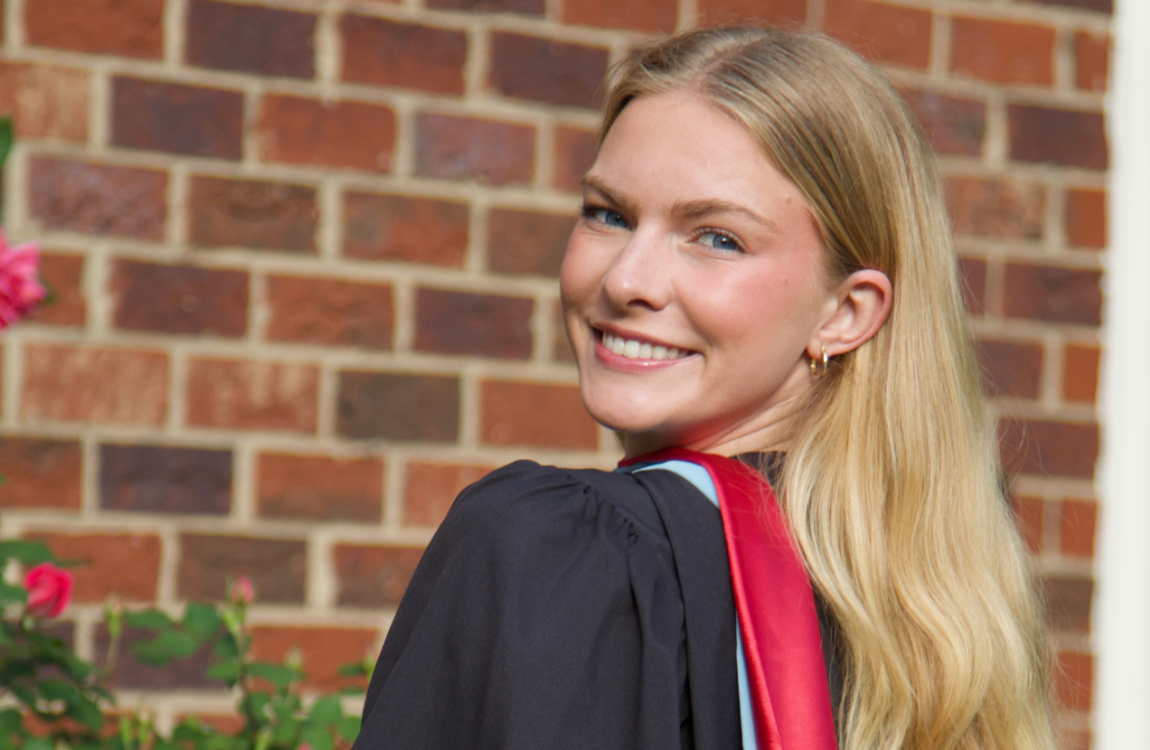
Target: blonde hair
891, 484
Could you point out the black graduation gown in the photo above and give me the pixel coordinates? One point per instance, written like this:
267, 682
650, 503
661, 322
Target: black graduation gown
561, 609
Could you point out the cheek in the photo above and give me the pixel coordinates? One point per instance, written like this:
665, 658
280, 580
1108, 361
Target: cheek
772, 314
579, 276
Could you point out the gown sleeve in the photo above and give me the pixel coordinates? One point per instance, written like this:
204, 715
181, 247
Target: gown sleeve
545, 613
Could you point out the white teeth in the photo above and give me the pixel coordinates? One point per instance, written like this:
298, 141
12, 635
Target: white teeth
639, 349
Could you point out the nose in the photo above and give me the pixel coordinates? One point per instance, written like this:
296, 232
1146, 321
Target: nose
639, 277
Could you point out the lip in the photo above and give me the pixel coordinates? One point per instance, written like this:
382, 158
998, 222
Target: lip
627, 364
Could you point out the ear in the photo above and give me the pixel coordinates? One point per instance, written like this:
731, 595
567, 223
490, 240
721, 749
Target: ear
864, 300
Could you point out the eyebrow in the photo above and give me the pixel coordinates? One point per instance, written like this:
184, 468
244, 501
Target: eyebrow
684, 209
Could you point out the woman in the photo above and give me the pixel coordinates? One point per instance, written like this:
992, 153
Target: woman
763, 269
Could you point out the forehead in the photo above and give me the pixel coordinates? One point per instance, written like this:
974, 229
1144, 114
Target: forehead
678, 146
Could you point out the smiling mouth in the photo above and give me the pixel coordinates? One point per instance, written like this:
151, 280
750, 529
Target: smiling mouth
632, 349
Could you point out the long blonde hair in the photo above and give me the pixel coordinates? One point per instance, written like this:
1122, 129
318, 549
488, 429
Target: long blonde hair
891, 484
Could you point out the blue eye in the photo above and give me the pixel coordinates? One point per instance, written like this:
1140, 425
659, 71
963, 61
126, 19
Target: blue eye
605, 216
720, 242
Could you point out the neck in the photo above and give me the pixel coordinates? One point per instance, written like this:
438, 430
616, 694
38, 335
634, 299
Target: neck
769, 430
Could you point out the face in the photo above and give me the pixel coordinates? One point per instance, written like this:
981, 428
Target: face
693, 284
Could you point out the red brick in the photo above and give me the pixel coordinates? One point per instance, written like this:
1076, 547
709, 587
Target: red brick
323, 651
249, 395
402, 228
405, 55
398, 406
487, 325
527, 242
561, 346
374, 577
165, 479
465, 148
995, 208
525, 7
1029, 517
319, 488
98, 199
1068, 603
952, 125
544, 70
881, 32
972, 274
1054, 294
1103, 6
1002, 51
91, 384
1091, 61
63, 274
1010, 368
126, 565
575, 150
656, 16
1047, 448
1072, 138
771, 13
132, 28
179, 299
45, 101
296, 130
277, 568
176, 118
250, 39
1086, 218
329, 311
1073, 680
534, 414
1079, 518
41, 474
430, 489
1080, 373
250, 213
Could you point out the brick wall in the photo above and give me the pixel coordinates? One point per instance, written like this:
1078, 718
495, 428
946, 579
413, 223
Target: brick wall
304, 254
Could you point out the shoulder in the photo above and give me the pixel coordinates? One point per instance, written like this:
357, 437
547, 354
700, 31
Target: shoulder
529, 498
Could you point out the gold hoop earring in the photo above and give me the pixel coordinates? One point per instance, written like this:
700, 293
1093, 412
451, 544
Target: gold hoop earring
815, 370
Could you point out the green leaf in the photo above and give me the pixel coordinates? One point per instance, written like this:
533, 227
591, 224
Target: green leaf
229, 671
201, 620
168, 645
354, 670
255, 705
10, 722
28, 553
7, 138
225, 647
57, 690
10, 594
349, 727
319, 739
149, 619
276, 674
86, 712
39, 743
325, 711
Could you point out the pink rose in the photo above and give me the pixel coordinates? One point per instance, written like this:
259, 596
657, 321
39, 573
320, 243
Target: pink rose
20, 289
242, 592
49, 589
